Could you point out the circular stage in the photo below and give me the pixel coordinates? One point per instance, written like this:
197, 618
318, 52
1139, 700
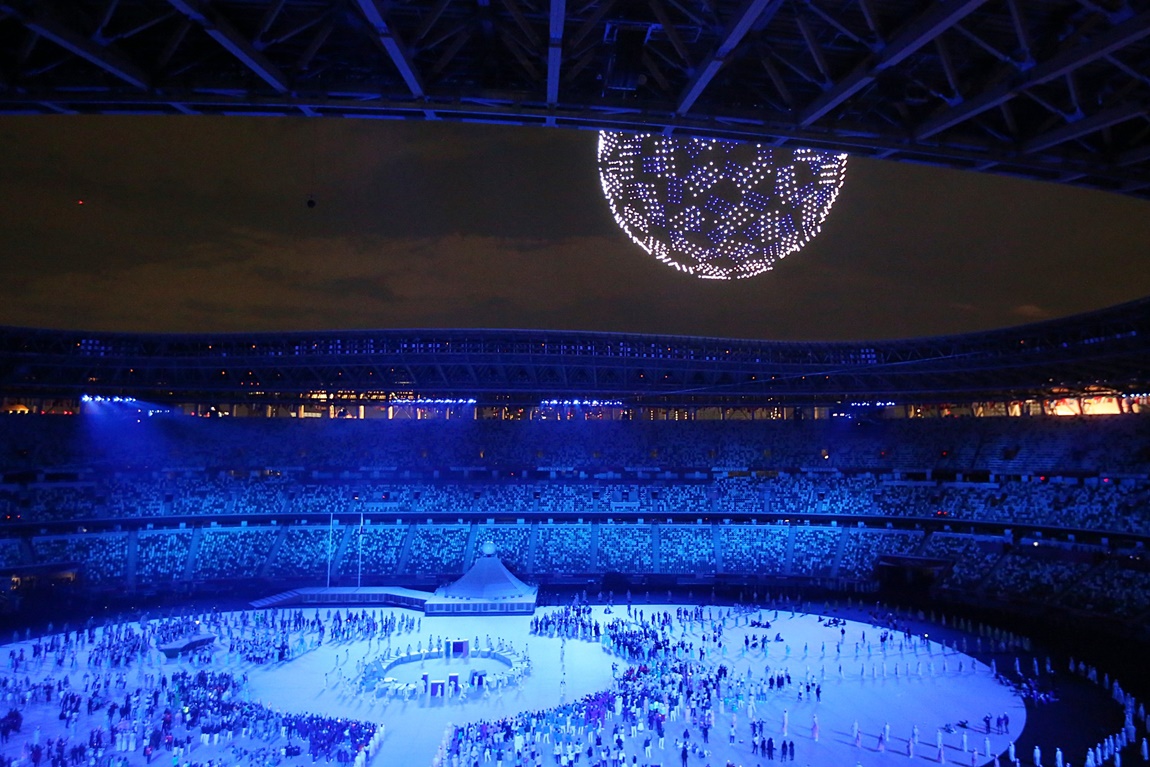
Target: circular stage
901, 683
451, 665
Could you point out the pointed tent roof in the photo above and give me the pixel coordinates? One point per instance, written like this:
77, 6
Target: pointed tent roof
488, 578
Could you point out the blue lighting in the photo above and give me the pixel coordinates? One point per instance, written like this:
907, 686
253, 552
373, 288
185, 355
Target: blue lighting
98, 398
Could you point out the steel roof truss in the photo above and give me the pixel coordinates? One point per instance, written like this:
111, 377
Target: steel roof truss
221, 30
913, 36
387, 39
737, 27
1067, 60
44, 23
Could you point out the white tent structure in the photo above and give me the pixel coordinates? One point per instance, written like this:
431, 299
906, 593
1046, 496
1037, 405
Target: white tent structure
488, 587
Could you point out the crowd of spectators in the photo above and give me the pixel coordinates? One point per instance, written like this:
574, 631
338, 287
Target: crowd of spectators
1113, 504
232, 553
437, 549
625, 548
1025, 576
563, 549
512, 544
1086, 577
1013, 446
814, 550
862, 549
162, 556
375, 549
303, 554
1078, 474
1111, 589
754, 548
972, 557
686, 549
103, 556
11, 553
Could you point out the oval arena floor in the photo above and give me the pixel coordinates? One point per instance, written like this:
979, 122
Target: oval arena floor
914, 685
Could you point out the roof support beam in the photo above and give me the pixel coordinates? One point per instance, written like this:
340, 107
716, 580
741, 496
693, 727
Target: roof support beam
913, 36
669, 29
270, 17
778, 81
871, 19
1134, 156
555, 50
1128, 70
221, 30
1083, 127
521, 21
947, 67
736, 30
842, 28
430, 20
107, 59
394, 48
814, 48
174, 42
106, 18
1020, 30
1102, 45
317, 41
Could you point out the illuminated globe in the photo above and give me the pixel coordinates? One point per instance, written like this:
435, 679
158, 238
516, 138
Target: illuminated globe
717, 209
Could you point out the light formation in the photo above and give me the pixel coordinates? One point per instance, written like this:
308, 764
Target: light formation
717, 209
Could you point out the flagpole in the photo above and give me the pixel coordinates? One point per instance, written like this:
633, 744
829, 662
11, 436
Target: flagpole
359, 584
330, 529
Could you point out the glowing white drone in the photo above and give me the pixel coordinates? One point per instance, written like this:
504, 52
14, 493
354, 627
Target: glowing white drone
717, 209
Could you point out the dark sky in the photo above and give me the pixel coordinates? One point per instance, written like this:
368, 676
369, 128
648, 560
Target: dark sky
200, 224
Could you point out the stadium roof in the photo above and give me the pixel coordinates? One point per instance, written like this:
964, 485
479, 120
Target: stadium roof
1044, 89
1102, 352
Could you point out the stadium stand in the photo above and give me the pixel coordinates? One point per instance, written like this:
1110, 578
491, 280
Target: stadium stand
193, 501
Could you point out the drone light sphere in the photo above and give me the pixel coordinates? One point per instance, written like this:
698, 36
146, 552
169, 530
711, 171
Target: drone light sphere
717, 209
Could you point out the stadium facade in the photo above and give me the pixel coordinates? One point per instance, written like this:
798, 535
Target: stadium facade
682, 463
1099, 354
